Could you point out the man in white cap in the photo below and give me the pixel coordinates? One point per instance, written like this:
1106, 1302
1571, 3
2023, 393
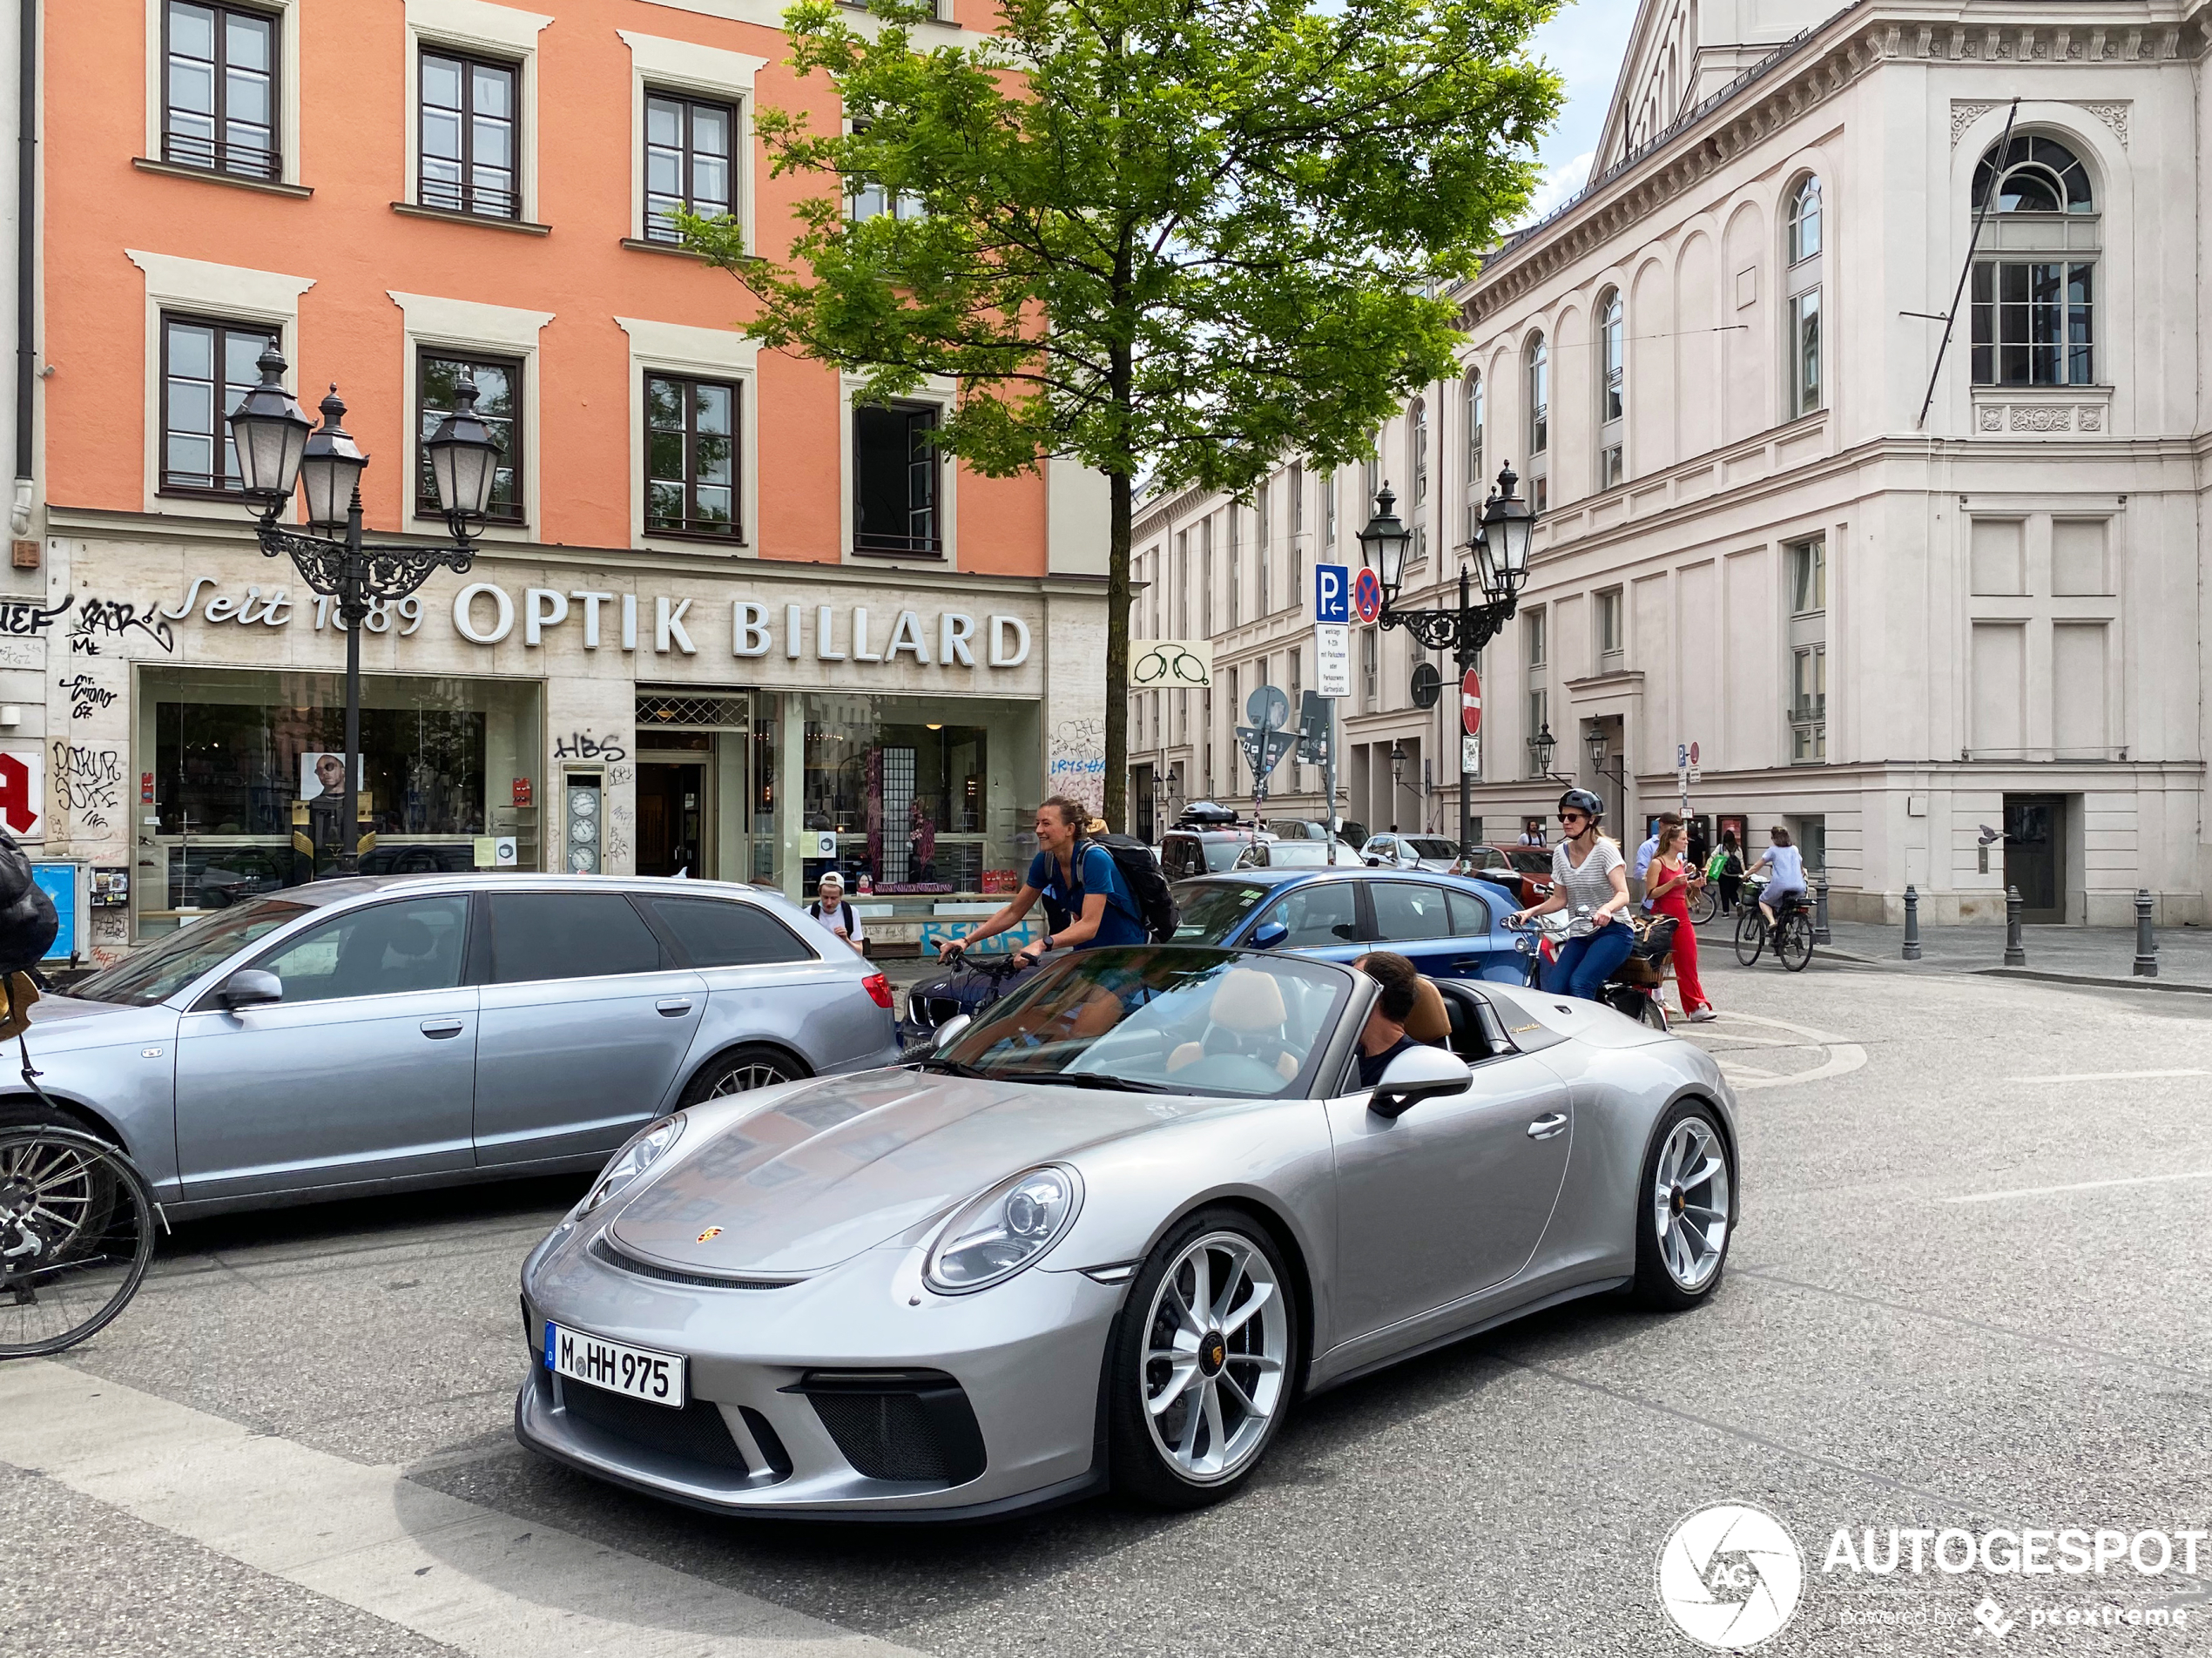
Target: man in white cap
830, 908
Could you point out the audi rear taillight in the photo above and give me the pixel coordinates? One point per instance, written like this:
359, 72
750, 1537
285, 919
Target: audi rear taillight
879, 989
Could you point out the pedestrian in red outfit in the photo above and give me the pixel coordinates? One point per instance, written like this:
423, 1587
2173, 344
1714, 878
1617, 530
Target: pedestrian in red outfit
1670, 881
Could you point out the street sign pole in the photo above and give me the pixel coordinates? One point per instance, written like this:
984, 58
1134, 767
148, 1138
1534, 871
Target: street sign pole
1467, 775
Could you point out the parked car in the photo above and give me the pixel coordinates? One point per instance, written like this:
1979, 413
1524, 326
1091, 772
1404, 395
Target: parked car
1186, 850
358, 1035
1450, 926
1526, 870
1410, 852
1111, 1234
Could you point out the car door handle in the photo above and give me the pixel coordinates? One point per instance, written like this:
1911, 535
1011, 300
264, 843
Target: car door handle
439, 1029
674, 1006
1545, 1128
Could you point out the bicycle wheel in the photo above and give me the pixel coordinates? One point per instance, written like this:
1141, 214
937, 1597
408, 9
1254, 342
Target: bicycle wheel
1750, 934
76, 1226
1705, 907
1795, 945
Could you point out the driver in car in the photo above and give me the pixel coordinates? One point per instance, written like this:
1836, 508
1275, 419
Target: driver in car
1383, 1038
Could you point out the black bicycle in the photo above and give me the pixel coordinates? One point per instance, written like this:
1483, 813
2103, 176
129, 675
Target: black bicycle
77, 1235
1790, 937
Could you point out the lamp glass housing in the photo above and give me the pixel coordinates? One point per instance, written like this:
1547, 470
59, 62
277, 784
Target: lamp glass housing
1542, 746
1384, 540
464, 457
1509, 524
331, 468
269, 431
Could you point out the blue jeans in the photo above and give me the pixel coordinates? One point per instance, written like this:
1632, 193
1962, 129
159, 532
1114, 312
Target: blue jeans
1585, 964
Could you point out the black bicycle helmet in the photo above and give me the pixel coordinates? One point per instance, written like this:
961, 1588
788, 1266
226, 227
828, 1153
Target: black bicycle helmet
1583, 801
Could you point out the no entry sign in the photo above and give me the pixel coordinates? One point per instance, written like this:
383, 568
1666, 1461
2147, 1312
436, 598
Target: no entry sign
1471, 702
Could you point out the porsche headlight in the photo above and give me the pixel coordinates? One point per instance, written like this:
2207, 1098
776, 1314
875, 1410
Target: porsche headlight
1005, 1230
632, 1161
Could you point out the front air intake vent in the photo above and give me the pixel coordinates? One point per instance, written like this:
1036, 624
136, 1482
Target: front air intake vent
915, 1426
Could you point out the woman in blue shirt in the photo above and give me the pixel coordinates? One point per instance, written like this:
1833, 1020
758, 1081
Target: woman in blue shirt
1789, 866
1077, 877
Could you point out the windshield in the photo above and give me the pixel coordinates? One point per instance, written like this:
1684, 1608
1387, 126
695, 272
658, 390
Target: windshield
1223, 854
1210, 910
1285, 854
1422, 846
160, 973
1162, 1019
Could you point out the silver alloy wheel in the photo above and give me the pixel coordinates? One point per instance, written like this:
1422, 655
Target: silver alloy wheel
1215, 1348
1690, 1203
742, 1079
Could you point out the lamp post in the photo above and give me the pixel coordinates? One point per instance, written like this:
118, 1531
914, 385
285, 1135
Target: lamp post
1500, 552
279, 450
1540, 750
1396, 773
1595, 740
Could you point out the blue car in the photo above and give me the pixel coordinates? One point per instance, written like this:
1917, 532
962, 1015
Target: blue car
1450, 927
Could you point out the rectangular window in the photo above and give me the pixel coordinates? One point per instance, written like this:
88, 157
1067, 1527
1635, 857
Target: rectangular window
1609, 623
219, 93
687, 161
691, 457
1532, 636
1205, 579
1808, 577
1370, 666
1262, 548
1329, 508
1610, 470
1809, 703
894, 481
1539, 492
1539, 722
2033, 323
1804, 353
207, 367
499, 404
1236, 573
471, 136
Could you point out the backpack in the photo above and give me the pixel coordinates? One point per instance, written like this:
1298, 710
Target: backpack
1155, 906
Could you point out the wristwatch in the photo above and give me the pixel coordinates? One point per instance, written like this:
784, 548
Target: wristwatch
1048, 944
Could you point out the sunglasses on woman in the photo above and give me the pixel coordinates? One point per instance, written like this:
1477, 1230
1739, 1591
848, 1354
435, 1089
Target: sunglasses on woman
1574, 817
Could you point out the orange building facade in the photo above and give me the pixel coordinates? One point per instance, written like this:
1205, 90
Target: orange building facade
722, 621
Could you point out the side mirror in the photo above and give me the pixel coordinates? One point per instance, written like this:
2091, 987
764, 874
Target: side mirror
1268, 934
250, 987
950, 1032
1416, 1074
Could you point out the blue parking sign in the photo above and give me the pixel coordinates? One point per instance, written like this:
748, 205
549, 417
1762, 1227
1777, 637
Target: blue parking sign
1331, 594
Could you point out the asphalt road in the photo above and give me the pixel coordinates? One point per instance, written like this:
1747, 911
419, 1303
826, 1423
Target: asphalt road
1967, 1291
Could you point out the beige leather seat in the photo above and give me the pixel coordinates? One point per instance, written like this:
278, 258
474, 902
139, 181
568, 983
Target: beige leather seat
1247, 1002
1430, 1021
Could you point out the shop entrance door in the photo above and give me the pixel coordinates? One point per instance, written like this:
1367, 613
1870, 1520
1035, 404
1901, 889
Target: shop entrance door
673, 818
2034, 854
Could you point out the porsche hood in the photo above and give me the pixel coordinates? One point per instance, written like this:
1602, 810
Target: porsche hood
839, 1165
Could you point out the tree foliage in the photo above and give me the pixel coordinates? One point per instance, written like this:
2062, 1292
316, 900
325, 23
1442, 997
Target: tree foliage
1170, 242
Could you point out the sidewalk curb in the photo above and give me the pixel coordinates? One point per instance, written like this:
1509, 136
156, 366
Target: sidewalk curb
1889, 964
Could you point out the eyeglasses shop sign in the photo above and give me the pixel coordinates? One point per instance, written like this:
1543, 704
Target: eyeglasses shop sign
485, 613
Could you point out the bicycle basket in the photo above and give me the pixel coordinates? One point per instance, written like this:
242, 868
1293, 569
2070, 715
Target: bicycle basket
1654, 939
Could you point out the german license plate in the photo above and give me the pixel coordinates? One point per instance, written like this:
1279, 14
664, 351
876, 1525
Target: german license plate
638, 1371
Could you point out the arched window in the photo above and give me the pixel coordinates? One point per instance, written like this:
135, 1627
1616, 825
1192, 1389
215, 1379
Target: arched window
1475, 425
1540, 394
1804, 218
1805, 388
2034, 321
1612, 365
2037, 175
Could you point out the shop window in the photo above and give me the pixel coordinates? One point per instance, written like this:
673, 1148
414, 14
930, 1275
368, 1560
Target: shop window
471, 136
219, 91
499, 404
207, 367
387, 950
691, 457
894, 481
249, 778
568, 935
687, 161
715, 932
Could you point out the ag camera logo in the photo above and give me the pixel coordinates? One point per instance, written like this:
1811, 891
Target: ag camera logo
1730, 1576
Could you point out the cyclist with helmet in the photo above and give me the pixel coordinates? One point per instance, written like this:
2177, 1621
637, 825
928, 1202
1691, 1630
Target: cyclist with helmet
1588, 872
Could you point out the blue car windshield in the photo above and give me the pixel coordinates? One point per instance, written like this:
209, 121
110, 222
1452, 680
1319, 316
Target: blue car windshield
1162, 1019
158, 973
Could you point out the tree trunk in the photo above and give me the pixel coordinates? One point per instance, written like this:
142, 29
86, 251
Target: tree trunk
1117, 603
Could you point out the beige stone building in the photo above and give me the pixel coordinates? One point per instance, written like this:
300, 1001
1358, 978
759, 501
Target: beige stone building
1884, 630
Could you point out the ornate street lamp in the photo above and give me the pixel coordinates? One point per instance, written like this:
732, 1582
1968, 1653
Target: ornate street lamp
278, 453
1500, 550
1541, 747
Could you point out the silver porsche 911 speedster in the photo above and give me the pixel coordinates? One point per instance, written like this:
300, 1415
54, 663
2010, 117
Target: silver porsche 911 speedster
1108, 1234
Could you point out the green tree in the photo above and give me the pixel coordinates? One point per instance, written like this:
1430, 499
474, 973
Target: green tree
1172, 241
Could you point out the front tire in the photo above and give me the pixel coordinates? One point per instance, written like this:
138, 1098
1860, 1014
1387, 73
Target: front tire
1685, 1210
1705, 907
1201, 1364
1750, 935
740, 1071
1795, 944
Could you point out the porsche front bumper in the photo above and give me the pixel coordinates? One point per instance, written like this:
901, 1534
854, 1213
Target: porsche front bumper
857, 1393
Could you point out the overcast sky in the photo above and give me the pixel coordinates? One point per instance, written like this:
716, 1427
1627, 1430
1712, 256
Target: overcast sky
1584, 43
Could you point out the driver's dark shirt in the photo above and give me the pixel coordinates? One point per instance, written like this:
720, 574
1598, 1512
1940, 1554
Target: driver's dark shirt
1372, 1066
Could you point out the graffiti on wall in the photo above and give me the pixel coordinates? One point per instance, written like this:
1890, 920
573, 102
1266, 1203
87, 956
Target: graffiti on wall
1077, 768
87, 696
110, 619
